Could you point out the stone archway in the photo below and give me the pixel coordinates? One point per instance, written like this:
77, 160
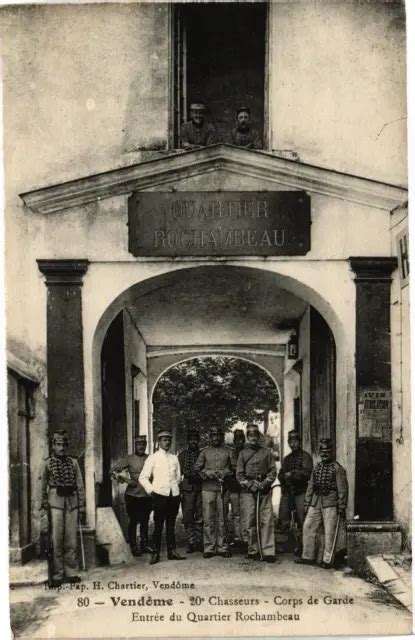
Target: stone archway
143, 290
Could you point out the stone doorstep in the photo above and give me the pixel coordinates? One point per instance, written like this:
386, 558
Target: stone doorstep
30, 574
390, 580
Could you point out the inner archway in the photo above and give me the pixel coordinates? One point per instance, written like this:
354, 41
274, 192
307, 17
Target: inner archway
217, 390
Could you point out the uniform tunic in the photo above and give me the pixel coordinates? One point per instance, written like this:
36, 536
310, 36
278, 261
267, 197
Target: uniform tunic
201, 136
300, 465
213, 460
64, 512
257, 463
137, 501
326, 495
249, 139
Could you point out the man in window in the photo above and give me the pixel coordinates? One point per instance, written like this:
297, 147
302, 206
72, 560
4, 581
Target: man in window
197, 132
138, 503
243, 135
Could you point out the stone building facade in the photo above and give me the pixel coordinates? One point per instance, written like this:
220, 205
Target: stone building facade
94, 96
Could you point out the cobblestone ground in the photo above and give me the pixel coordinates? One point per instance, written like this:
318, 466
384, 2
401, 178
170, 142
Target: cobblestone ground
229, 597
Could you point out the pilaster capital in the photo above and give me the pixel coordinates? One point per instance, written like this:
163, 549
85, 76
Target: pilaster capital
63, 272
373, 269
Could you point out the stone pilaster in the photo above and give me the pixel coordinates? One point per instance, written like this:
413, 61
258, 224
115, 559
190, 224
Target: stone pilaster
373, 495
65, 362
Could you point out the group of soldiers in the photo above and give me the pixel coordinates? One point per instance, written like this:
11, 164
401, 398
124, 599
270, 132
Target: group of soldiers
207, 483
197, 132
211, 481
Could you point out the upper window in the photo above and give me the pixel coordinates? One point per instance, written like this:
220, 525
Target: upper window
219, 60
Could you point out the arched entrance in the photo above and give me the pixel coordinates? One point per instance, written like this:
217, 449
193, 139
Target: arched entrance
223, 391
207, 310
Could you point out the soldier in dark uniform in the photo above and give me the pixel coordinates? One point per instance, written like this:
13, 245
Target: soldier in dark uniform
214, 465
197, 133
63, 493
137, 501
325, 502
294, 475
191, 493
239, 529
243, 135
255, 473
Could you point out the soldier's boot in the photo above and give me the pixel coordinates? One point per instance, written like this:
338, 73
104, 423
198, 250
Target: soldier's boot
173, 555
135, 550
146, 546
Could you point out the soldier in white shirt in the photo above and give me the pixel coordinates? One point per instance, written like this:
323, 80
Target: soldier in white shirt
164, 469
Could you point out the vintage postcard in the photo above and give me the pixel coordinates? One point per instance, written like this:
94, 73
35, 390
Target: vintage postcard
207, 303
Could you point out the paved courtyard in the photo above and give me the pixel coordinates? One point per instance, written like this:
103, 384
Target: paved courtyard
213, 597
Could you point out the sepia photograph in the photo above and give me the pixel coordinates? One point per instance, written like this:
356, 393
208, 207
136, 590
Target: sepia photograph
207, 319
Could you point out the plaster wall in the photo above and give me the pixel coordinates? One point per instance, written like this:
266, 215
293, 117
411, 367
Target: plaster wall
304, 357
401, 392
291, 391
337, 85
135, 356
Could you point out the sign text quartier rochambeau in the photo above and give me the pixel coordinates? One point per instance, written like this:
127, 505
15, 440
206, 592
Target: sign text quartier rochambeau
219, 223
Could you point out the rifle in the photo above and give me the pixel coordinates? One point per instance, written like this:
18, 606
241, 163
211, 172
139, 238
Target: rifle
50, 549
258, 523
225, 515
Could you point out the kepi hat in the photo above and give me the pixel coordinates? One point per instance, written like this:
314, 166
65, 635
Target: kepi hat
164, 432
60, 436
326, 444
197, 105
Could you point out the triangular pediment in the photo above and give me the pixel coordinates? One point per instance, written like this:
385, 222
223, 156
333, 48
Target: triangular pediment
224, 161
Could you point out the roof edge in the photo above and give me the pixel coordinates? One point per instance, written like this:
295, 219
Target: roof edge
176, 166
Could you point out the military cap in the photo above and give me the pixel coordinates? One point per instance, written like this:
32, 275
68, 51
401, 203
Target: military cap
164, 432
293, 435
243, 108
239, 433
197, 105
140, 439
215, 429
60, 436
252, 427
326, 444
192, 433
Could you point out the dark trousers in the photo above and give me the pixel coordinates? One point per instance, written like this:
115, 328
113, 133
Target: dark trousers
138, 511
166, 509
193, 516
